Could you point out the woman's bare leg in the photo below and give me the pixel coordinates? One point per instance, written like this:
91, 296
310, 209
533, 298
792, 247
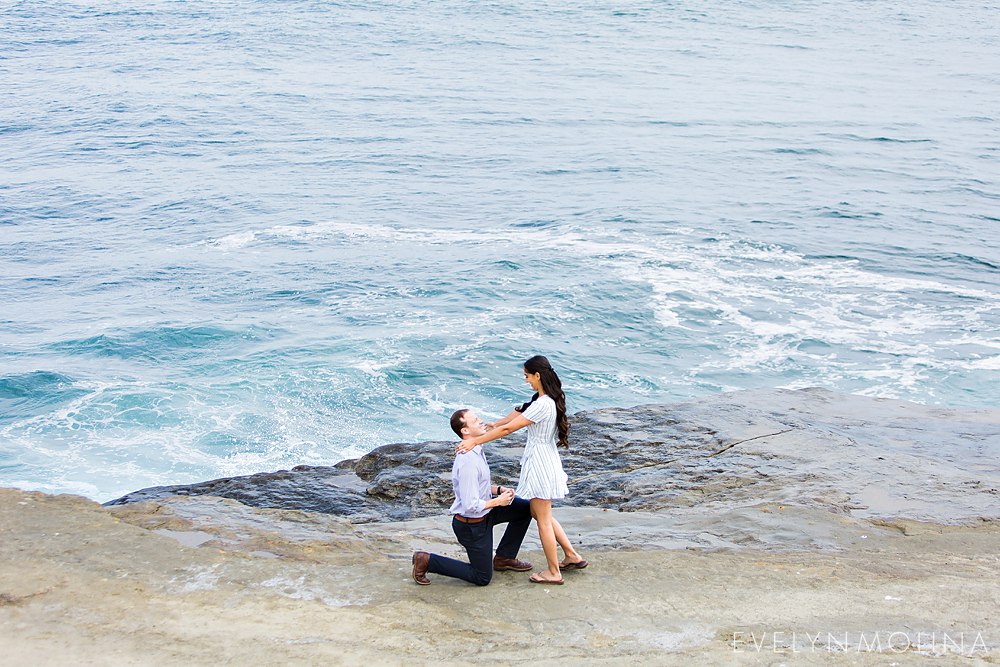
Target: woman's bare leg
541, 508
571, 555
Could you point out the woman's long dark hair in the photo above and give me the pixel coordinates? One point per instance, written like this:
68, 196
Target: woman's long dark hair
553, 388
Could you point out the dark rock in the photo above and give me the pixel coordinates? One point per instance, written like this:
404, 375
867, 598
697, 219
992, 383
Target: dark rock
846, 454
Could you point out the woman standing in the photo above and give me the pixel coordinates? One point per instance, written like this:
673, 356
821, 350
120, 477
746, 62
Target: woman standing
542, 477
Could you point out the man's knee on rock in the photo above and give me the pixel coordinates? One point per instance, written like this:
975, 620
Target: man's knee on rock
483, 578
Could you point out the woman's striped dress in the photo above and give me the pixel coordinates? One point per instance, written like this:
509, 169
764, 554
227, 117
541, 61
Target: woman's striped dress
542, 474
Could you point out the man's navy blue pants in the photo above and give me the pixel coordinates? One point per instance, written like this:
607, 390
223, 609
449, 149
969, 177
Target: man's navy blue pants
477, 538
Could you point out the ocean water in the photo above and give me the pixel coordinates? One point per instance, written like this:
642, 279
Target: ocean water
242, 236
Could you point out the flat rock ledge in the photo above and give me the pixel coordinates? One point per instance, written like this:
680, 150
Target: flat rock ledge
763, 527
813, 449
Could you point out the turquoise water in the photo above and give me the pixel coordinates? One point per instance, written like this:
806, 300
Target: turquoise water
241, 236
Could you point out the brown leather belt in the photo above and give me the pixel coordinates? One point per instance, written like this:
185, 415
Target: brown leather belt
465, 519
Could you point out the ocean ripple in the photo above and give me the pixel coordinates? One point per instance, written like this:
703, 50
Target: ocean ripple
243, 236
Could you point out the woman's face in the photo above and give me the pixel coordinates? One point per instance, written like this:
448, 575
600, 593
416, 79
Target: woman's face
534, 379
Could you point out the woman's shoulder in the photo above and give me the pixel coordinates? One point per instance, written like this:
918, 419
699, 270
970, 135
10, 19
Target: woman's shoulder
546, 403
540, 400
540, 408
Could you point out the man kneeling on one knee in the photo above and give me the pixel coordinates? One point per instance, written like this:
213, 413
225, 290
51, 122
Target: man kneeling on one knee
474, 513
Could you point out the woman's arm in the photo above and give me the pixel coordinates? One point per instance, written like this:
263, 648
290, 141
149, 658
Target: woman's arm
515, 424
505, 420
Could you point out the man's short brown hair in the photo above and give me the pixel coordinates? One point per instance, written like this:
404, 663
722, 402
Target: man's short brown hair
458, 421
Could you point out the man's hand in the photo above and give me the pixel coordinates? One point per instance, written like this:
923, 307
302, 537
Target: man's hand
464, 446
507, 497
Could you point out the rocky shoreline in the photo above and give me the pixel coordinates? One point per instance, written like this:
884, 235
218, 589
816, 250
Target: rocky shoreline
718, 531
869, 458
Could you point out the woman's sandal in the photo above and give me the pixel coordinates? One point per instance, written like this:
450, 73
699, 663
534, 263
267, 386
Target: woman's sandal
578, 565
535, 579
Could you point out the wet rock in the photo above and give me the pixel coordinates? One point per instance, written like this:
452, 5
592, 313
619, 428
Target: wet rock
844, 454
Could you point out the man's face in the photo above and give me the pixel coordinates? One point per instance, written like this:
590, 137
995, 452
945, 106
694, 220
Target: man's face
473, 425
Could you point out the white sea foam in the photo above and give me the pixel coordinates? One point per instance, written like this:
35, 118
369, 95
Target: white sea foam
824, 301
834, 302
95, 438
229, 242
374, 367
985, 364
340, 230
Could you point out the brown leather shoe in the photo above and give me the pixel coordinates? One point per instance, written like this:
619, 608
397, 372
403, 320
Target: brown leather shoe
421, 561
500, 563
